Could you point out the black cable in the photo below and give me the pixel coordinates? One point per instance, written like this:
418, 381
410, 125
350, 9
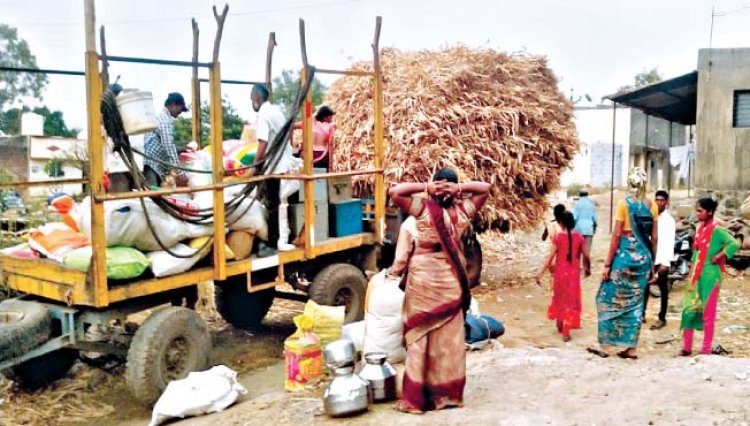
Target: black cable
113, 125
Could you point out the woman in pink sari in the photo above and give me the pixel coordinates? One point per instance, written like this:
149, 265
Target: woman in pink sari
437, 289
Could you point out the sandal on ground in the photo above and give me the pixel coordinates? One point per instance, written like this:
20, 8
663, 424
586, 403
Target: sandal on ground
625, 354
683, 352
658, 324
720, 350
598, 352
566, 337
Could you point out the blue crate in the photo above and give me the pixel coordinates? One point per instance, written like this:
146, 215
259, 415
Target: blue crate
345, 218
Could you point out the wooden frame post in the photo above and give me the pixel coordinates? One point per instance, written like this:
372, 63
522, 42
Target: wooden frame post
379, 146
307, 149
96, 158
217, 131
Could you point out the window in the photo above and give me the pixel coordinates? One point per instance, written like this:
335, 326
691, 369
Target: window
741, 110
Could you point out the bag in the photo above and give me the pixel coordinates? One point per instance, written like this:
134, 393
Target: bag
384, 327
326, 320
303, 355
482, 327
199, 393
164, 264
122, 262
55, 240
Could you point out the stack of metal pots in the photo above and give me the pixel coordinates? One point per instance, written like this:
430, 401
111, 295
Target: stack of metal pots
347, 393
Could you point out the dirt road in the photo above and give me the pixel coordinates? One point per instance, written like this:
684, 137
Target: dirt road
530, 377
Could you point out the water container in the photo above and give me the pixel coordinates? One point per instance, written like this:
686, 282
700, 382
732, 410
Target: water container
137, 111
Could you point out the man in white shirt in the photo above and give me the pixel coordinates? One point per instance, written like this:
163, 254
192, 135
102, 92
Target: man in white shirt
269, 124
666, 229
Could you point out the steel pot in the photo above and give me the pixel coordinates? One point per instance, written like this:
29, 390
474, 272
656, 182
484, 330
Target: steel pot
340, 353
347, 394
381, 375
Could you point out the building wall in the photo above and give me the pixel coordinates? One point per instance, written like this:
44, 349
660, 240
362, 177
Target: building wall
594, 126
722, 159
601, 165
649, 148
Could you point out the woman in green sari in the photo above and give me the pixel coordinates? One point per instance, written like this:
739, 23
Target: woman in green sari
712, 247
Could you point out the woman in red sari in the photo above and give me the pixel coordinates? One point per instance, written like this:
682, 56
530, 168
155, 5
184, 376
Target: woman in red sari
437, 290
567, 249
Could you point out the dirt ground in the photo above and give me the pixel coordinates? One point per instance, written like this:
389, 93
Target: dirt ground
528, 377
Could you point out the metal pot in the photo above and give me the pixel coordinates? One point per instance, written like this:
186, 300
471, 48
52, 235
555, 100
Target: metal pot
340, 353
381, 375
347, 394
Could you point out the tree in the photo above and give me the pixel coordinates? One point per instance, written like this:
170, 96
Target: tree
285, 90
54, 123
231, 122
643, 78
15, 52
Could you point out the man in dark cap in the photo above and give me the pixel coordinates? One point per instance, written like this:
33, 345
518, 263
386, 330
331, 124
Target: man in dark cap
159, 144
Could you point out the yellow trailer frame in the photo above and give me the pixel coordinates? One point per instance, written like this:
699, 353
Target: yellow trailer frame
50, 280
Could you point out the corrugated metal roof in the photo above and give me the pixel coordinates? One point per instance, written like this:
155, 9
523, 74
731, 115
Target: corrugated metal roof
673, 100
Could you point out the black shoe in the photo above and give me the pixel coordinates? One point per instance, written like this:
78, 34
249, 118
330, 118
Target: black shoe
265, 250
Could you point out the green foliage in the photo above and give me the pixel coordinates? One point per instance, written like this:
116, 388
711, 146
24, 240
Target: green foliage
6, 176
643, 78
232, 125
285, 90
15, 52
54, 123
54, 168
573, 189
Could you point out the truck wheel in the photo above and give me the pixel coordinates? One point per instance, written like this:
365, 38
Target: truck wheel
473, 254
341, 284
43, 370
171, 343
24, 325
240, 308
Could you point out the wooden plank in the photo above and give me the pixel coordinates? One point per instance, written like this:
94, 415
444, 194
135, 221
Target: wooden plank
43, 269
333, 245
71, 295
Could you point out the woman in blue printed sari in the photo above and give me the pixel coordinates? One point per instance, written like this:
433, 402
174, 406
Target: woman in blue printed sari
619, 302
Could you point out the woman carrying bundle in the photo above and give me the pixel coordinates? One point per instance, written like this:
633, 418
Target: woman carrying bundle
437, 290
567, 249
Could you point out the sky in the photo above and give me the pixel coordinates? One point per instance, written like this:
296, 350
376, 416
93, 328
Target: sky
593, 46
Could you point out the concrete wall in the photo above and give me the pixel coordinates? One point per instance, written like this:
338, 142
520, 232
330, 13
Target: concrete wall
722, 159
601, 165
594, 126
653, 132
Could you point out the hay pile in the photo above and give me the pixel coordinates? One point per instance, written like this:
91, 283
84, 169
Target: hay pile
494, 117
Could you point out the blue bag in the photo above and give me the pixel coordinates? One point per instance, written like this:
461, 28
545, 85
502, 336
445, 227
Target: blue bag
483, 327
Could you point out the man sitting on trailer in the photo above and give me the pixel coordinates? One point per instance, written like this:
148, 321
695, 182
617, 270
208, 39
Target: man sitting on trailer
159, 144
269, 123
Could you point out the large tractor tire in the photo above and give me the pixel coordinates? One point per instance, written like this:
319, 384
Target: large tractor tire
171, 343
240, 308
341, 284
41, 371
24, 325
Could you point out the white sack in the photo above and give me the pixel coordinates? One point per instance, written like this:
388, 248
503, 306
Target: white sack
126, 225
164, 264
383, 322
355, 333
199, 393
